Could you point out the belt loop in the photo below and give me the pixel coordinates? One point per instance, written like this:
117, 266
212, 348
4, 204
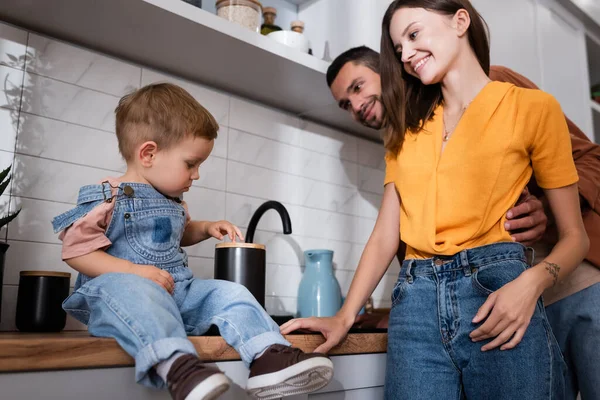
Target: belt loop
464, 262
409, 277
529, 256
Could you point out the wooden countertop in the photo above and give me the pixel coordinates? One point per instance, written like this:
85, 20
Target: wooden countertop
21, 352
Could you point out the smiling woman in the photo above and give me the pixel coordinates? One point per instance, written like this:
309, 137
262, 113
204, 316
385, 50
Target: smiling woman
411, 97
460, 151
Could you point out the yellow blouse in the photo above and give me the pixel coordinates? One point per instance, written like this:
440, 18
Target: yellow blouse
458, 199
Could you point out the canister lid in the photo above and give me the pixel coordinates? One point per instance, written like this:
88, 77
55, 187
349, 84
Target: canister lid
46, 273
267, 10
297, 24
221, 3
239, 245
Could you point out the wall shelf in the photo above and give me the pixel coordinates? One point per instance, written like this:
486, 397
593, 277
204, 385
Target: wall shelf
178, 38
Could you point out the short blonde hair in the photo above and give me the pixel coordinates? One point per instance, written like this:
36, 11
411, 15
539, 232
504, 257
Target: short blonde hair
164, 113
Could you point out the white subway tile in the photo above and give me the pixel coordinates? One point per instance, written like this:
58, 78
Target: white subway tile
44, 179
35, 221
13, 44
220, 149
367, 204
277, 125
205, 205
329, 141
212, 173
9, 120
70, 103
385, 287
82, 67
4, 209
281, 306
371, 154
289, 249
260, 182
264, 121
33, 256
283, 280
217, 103
202, 268
370, 179
48, 138
10, 89
257, 150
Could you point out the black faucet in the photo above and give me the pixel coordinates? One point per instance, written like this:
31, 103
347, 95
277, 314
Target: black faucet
277, 206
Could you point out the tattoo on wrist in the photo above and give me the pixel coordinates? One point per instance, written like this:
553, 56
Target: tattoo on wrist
553, 270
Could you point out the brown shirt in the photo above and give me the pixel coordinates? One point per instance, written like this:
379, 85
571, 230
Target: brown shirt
587, 161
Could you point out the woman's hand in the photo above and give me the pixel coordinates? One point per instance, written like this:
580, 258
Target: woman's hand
334, 329
508, 311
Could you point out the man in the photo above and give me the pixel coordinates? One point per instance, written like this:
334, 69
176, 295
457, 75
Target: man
573, 305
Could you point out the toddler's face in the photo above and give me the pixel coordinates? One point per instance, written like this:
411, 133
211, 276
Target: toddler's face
174, 169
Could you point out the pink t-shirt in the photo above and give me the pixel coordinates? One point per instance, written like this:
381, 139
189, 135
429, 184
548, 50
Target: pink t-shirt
88, 233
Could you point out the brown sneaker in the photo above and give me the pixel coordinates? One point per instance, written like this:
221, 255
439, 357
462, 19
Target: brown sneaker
285, 371
190, 379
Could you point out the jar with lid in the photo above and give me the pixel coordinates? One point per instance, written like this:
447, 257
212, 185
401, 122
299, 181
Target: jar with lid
268, 26
298, 27
243, 12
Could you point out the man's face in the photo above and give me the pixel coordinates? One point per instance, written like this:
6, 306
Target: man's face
357, 89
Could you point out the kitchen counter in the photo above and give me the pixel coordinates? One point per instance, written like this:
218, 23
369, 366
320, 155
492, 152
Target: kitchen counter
22, 352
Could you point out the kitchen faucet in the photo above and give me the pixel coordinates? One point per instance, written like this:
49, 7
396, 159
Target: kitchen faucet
271, 204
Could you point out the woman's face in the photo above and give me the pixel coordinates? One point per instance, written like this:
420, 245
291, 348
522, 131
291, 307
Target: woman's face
428, 42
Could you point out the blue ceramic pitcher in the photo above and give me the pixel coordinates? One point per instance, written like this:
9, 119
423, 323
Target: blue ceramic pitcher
319, 293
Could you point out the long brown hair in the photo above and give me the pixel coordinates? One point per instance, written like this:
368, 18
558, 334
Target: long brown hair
408, 102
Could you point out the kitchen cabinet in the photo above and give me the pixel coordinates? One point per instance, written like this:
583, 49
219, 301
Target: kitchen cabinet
513, 35
357, 377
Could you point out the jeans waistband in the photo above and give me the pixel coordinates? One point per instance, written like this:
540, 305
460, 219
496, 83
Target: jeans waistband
466, 259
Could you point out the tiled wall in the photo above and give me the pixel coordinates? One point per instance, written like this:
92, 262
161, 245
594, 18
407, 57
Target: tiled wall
57, 126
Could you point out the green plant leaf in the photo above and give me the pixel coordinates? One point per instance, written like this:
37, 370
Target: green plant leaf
8, 218
5, 173
4, 185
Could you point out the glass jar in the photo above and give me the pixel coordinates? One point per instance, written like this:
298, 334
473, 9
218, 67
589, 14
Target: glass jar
268, 26
244, 12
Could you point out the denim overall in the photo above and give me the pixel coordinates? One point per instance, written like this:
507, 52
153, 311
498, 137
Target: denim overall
430, 353
150, 324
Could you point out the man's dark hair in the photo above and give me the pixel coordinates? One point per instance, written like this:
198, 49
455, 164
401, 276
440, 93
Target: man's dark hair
358, 55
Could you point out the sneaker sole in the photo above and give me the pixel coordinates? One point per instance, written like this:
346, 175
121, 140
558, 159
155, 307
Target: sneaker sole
210, 388
305, 377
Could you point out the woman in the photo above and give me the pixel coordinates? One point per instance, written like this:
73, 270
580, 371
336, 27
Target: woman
467, 319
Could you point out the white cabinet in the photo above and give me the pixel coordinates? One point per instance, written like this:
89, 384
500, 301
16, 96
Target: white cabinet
513, 35
342, 24
564, 63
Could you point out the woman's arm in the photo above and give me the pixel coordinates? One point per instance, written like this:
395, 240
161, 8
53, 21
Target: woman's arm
375, 260
573, 243
508, 310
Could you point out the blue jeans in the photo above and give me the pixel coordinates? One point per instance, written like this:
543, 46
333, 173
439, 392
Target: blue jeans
430, 354
575, 321
151, 325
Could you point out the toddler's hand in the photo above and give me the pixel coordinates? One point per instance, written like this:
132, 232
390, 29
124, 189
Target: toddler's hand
220, 228
160, 276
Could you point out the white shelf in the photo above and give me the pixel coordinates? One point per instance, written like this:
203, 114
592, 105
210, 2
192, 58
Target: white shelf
178, 38
595, 106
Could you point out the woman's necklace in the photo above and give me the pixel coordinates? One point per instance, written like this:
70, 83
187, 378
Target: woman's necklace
448, 132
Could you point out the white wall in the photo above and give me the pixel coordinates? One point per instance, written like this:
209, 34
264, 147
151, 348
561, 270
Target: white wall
60, 134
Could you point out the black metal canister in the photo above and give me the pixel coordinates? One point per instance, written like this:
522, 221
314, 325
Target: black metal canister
39, 301
243, 263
